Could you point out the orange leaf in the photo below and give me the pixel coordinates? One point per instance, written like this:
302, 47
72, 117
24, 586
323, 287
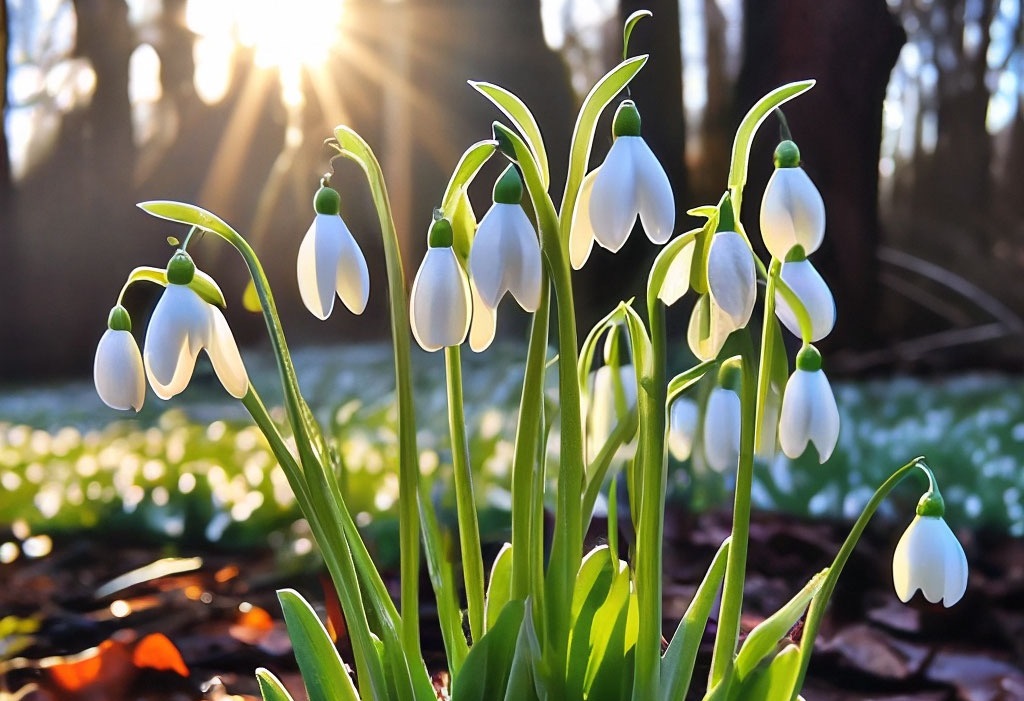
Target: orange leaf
106, 664
155, 651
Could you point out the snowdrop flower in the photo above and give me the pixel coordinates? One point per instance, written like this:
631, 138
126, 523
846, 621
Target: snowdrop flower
732, 280
183, 323
792, 211
682, 427
813, 291
722, 418
117, 371
630, 183
441, 298
331, 261
709, 328
809, 411
505, 256
603, 414
929, 557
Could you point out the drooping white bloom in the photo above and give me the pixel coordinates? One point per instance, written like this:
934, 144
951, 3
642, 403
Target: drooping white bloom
732, 279
930, 558
817, 299
117, 370
630, 183
792, 211
682, 427
505, 257
603, 412
441, 299
484, 323
330, 261
809, 411
722, 429
183, 323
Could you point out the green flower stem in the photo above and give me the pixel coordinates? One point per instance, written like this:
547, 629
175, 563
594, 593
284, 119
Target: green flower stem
338, 559
736, 565
764, 370
527, 534
352, 146
820, 602
567, 541
465, 501
651, 404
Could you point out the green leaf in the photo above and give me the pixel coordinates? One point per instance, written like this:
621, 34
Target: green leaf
499, 587
526, 677
627, 29
271, 687
677, 663
603, 92
190, 214
748, 127
202, 284
593, 584
684, 380
705, 210
522, 119
611, 636
442, 578
455, 204
774, 681
485, 674
764, 639
323, 672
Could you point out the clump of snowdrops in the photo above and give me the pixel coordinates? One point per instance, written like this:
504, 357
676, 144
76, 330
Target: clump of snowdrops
563, 623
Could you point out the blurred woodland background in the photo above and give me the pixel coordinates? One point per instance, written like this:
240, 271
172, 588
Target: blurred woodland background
914, 134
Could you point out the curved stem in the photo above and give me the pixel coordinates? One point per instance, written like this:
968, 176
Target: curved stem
767, 350
352, 146
736, 565
465, 501
820, 602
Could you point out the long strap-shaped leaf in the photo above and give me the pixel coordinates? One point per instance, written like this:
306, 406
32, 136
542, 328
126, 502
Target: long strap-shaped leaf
323, 672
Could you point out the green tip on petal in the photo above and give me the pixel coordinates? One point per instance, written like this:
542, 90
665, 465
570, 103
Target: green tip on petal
730, 375
627, 120
796, 254
787, 155
180, 269
931, 504
119, 319
726, 215
326, 200
441, 234
508, 189
808, 359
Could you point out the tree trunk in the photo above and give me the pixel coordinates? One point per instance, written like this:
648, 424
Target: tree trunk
850, 47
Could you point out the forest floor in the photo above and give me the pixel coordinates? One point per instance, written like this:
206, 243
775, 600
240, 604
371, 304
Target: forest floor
196, 625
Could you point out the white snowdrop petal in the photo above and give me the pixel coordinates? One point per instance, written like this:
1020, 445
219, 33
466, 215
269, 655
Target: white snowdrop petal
224, 355
524, 272
677, 278
813, 291
352, 277
731, 276
581, 232
795, 419
930, 558
708, 316
602, 411
441, 301
317, 263
792, 212
823, 430
117, 371
722, 429
654, 194
487, 261
483, 324
683, 416
177, 329
613, 200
